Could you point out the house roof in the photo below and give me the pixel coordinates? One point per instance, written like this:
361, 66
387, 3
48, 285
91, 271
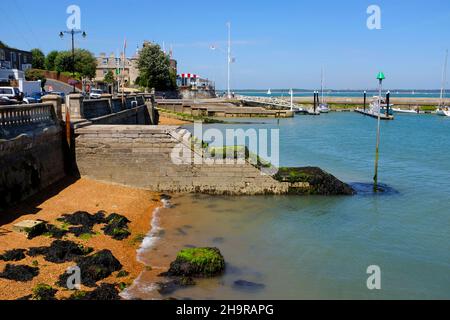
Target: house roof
5, 46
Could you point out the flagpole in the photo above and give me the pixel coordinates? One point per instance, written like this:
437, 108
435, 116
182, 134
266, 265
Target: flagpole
123, 73
229, 59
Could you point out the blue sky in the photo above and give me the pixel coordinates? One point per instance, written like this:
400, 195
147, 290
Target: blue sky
277, 44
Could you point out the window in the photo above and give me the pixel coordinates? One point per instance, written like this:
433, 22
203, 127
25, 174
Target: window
6, 91
13, 57
2, 54
105, 61
25, 59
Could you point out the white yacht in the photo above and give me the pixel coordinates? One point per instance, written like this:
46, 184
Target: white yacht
323, 107
443, 110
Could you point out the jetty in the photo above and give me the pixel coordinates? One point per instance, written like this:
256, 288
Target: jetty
374, 114
275, 103
219, 109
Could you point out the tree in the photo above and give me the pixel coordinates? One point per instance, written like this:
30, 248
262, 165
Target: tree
37, 59
85, 63
109, 77
63, 61
50, 60
154, 68
35, 75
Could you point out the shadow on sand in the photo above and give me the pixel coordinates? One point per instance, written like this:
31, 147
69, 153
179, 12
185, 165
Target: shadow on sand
31, 205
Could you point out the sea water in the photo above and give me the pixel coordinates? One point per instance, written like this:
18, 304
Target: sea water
314, 247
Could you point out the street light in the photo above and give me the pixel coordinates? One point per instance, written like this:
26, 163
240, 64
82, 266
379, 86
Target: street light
73, 33
380, 78
230, 59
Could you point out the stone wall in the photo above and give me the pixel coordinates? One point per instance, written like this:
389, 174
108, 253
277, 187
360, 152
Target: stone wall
221, 110
140, 156
96, 108
31, 151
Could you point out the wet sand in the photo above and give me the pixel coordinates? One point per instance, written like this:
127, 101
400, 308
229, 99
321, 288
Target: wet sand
68, 197
165, 121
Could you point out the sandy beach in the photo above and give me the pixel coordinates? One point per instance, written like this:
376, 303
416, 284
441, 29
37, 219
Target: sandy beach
166, 121
70, 196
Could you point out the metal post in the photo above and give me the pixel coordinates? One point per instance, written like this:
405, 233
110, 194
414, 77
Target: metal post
72, 32
315, 101
365, 100
375, 178
292, 99
229, 59
388, 98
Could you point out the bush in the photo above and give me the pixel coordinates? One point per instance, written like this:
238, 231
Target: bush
154, 69
50, 60
35, 75
85, 63
38, 59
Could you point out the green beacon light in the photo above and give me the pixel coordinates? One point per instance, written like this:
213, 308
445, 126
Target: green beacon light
381, 76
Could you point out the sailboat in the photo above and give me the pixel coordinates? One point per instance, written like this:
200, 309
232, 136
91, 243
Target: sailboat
443, 110
323, 107
269, 92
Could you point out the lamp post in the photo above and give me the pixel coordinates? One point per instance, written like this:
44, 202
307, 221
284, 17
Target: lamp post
73, 32
230, 59
380, 78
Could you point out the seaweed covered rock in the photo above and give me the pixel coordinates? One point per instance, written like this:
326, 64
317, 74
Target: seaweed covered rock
104, 292
171, 286
43, 292
20, 273
55, 232
312, 180
13, 255
60, 251
83, 218
247, 285
197, 262
94, 268
117, 226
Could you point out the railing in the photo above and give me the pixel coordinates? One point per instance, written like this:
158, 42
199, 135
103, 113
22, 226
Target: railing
19, 116
268, 100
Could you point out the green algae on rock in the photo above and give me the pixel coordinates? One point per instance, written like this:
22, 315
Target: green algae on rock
44, 292
312, 180
197, 262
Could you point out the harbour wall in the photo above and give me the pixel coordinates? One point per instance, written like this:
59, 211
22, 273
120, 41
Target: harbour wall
220, 110
141, 156
31, 151
34, 152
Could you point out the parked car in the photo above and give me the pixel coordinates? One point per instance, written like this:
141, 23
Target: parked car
11, 93
35, 97
4, 101
95, 94
61, 94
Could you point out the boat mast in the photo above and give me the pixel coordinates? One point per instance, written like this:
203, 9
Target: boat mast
321, 85
444, 79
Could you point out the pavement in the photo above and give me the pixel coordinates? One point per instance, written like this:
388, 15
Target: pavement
59, 86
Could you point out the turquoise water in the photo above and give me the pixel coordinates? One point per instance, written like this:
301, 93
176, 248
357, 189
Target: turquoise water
343, 93
320, 247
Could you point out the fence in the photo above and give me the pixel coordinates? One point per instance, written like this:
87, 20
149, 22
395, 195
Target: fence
20, 118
